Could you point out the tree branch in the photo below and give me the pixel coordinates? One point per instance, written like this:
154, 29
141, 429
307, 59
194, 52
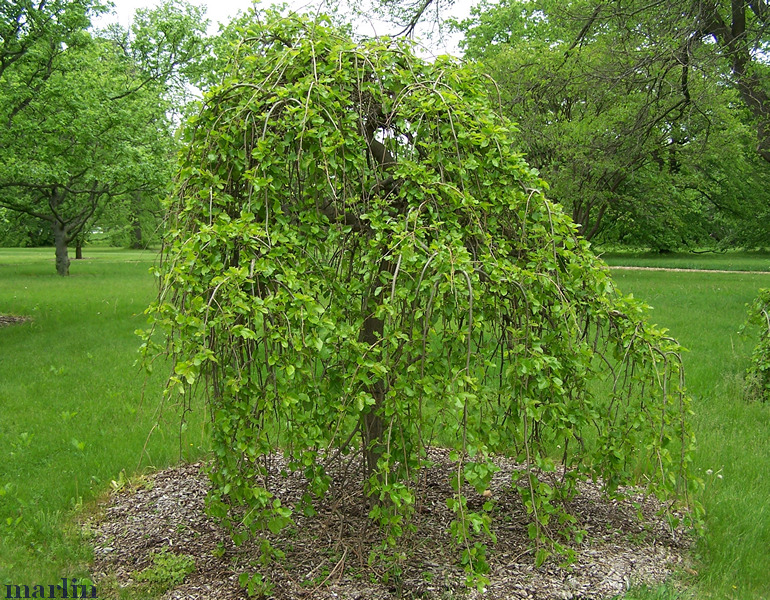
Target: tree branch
415, 19
25, 210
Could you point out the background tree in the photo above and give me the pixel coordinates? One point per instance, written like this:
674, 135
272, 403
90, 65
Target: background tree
80, 142
618, 115
35, 31
740, 28
615, 99
95, 125
716, 198
169, 46
21, 230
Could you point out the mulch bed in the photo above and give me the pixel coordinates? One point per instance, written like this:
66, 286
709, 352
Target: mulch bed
327, 554
11, 320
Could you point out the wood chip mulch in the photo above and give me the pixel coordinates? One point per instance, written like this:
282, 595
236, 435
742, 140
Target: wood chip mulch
327, 554
11, 320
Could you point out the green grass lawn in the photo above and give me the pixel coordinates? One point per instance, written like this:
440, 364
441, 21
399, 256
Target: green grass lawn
704, 312
72, 415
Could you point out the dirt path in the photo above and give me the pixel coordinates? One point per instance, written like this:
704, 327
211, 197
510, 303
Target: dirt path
676, 270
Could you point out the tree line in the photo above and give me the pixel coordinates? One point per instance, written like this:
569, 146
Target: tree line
649, 121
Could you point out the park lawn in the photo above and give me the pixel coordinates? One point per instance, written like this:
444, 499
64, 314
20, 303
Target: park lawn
73, 414
71, 400
704, 311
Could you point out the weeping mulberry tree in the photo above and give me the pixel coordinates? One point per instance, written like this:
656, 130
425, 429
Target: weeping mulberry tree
359, 266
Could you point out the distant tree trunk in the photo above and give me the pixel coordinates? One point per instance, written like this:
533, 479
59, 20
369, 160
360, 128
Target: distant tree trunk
79, 249
62, 256
137, 243
734, 38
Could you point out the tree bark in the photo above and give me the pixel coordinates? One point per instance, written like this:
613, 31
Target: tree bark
79, 250
62, 255
373, 329
136, 235
373, 425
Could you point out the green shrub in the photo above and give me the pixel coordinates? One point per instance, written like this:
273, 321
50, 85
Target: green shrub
758, 372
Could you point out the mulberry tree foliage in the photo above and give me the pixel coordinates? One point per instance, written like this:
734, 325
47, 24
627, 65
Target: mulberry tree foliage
359, 267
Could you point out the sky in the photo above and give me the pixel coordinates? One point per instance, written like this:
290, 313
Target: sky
218, 11
221, 11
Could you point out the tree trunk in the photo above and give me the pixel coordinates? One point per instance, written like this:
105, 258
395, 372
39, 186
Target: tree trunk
373, 329
734, 39
372, 424
62, 256
79, 250
137, 243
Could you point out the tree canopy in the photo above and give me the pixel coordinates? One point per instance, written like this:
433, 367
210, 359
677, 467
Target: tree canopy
626, 113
